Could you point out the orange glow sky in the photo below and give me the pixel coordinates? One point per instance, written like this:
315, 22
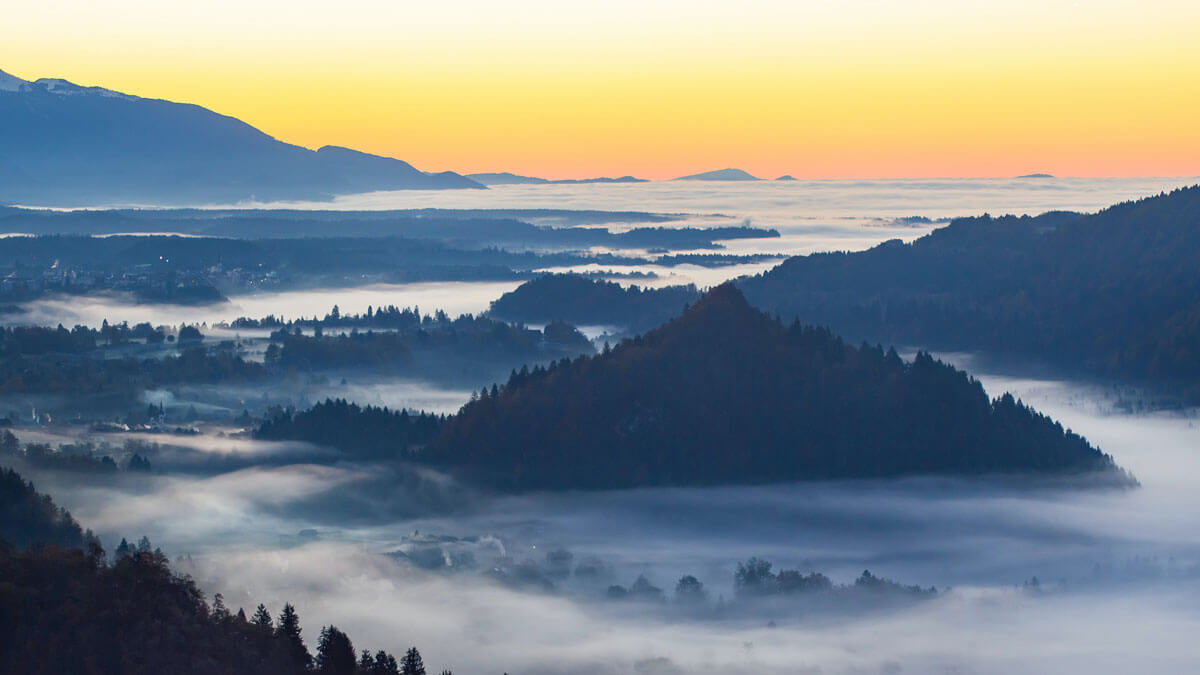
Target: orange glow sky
817, 89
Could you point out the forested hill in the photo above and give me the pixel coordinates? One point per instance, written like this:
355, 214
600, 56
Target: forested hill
1113, 294
726, 394
573, 298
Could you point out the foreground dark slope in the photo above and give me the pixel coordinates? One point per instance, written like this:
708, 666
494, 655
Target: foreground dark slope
725, 394
66, 608
65, 144
1113, 294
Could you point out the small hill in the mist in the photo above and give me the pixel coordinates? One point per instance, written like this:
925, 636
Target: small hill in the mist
722, 175
1114, 294
786, 177
506, 178
64, 144
578, 299
726, 394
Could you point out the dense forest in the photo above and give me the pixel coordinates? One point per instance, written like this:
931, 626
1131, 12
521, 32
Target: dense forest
468, 228
409, 341
726, 394
755, 583
1113, 294
579, 300
66, 608
67, 373
87, 457
118, 358
378, 433
150, 264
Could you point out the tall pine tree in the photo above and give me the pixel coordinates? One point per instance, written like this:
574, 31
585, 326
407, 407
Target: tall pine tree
287, 635
411, 664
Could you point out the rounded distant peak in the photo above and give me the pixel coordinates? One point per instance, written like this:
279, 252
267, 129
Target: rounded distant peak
786, 176
721, 174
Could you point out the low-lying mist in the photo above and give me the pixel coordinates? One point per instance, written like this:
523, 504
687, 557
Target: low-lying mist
397, 556
453, 297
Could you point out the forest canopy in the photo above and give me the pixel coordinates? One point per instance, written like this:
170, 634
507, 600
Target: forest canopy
722, 395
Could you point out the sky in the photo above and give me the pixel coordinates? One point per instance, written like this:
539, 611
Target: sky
569, 89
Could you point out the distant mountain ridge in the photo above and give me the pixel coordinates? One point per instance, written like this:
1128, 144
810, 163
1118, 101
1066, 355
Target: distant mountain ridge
66, 144
506, 178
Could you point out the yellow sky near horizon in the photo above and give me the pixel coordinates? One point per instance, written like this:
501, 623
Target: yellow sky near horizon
816, 89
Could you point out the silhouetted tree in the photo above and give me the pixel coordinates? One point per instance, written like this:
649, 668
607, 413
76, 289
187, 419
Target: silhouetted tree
754, 577
690, 590
335, 653
287, 635
262, 619
411, 664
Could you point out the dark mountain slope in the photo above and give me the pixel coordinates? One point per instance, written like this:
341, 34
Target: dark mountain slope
29, 518
1115, 294
725, 394
66, 610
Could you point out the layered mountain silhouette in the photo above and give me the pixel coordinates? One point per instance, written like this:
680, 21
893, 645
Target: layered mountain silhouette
726, 394
506, 178
65, 144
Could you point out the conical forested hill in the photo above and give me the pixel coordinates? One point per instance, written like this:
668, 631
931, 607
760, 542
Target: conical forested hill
725, 394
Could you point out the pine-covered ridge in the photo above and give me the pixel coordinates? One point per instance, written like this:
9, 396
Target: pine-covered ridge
1114, 294
724, 394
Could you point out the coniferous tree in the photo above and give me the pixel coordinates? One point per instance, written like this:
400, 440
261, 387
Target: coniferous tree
411, 664
335, 652
287, 635
220, 613
262, 618
385, 664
